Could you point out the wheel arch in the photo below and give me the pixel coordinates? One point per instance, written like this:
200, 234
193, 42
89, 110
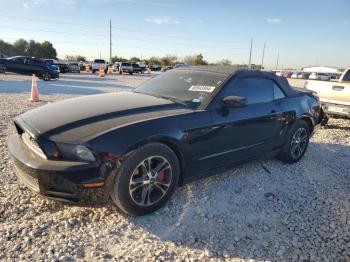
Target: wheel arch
170, 142
309, 121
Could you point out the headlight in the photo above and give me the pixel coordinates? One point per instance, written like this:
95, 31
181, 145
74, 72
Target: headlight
75, 152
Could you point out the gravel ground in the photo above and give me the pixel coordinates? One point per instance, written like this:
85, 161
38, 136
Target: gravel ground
262, 210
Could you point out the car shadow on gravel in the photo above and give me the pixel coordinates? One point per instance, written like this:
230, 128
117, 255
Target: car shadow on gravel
262, 210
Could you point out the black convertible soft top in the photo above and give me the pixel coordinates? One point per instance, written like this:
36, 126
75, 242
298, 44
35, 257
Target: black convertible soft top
232, 71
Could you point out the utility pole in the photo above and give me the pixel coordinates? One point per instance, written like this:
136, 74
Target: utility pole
278, 57
262, 60
250, 54
110, 40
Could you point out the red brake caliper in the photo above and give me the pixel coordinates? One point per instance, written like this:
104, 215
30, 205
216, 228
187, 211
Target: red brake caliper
161, 175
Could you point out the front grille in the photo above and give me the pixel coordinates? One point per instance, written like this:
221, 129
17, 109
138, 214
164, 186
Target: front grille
31, 143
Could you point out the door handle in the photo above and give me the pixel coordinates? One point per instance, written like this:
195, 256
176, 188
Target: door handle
338, 88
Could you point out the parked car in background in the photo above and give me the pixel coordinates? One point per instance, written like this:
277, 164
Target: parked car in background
287, 74
166, 68
125, 67
320, 76
155, 68
73, 67
294, 75
90, 149
181, 65
303, 75
56, 63
28, 66
81, 65
278, 73
142, 65
137, 69
97, 64
334, 95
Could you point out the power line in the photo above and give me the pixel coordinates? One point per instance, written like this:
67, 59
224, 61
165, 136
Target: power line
122, 37
121, 45
121, 29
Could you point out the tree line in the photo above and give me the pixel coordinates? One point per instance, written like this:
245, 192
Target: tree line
28, 48
46, 50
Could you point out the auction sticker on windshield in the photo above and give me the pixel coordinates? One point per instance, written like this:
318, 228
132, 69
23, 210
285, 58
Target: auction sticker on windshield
199, 88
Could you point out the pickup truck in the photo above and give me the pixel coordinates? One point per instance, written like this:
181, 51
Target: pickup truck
334, 95
97, 64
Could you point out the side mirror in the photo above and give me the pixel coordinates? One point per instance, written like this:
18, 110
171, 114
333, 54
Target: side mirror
234, 101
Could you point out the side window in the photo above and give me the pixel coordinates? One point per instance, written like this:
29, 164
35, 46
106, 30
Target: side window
254, 89
347, 76
34, 62
277, 92
20, 60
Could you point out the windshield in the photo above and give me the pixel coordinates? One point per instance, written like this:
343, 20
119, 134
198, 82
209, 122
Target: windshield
126, 64
99, 61
190, 88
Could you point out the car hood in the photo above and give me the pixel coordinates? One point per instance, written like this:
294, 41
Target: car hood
76, 119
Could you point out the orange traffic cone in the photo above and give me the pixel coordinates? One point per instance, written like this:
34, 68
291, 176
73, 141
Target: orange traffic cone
35, 91
110, 70
102, 72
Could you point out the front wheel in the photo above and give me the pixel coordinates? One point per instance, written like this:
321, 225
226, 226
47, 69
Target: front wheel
46, 76
146, 179
296, 143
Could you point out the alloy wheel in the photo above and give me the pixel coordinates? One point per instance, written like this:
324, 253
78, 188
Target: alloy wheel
46, 76
150, 181
299, 142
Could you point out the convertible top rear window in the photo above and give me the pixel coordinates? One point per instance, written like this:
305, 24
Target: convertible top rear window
184, 86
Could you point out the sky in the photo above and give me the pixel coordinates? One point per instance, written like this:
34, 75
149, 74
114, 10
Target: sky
303, 33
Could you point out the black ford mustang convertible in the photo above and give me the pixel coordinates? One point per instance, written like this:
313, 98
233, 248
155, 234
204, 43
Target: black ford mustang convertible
136, 147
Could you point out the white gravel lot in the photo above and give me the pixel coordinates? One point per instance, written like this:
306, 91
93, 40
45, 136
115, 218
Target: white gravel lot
263, 210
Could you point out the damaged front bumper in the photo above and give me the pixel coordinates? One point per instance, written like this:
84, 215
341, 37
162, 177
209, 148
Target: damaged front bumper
60, 180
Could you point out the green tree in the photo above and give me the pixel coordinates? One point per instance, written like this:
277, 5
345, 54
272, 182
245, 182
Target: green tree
47, 50
154, 61
80, 58
225, 62
6, 49
195, 60
20, 46
118, 59
34, 49
135, 59
199, 60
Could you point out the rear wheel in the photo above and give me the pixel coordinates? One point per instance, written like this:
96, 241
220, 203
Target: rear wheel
297, 142
146, 179
2, 68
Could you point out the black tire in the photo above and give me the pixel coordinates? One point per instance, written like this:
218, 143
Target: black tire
289, 151
46, 76
3, 68
120, 191
130, 73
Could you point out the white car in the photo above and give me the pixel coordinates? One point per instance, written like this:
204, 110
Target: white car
320, 76
294, 75
97, 64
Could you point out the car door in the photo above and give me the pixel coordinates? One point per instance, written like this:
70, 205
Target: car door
244, 133
17, 65
34, 66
